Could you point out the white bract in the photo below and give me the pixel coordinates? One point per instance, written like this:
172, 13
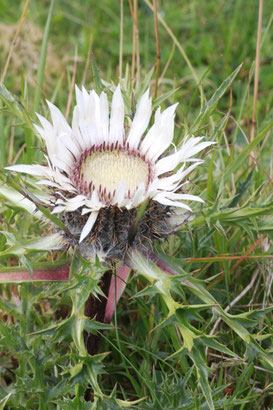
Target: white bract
98, 162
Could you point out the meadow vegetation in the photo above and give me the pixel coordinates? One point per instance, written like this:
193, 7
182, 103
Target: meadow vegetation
222, 357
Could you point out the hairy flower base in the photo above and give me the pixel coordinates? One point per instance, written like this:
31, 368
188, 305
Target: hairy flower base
113, 233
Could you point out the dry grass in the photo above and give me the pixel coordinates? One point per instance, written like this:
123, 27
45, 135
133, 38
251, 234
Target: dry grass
26, 54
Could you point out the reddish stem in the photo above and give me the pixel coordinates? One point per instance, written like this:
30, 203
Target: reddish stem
55, 274
117, 286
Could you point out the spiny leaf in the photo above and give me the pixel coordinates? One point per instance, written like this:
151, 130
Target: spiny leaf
202, 372
210, 342
43, 243
15, 108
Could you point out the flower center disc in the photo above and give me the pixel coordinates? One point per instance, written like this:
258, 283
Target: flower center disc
105, 170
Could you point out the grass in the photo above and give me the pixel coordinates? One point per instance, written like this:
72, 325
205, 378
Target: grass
214, 350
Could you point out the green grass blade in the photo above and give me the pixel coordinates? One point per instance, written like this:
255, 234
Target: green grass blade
42, 62
4, 401
243, 156
40, 80
96, 74
211, 104
3, 154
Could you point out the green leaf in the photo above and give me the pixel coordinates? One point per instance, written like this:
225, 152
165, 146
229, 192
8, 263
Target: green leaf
10, 102
53, 218
209, 341
16, 109
188, 336
141, 86
21, 247
202, 374
147, 291
26, 194
91, 325
25, 262
240, 159
242, 188
96, 74
59, 329
254, 314
86, 284
4, 401
211, 104
217, 135
237, 327
42, 61
197, 288
266, 356
237, 215
265, 224
19, 201
164, 97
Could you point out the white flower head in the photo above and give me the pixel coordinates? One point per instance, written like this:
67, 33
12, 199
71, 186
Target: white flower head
100, 170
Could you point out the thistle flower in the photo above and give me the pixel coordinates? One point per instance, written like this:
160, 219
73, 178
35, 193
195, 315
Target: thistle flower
100, 170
